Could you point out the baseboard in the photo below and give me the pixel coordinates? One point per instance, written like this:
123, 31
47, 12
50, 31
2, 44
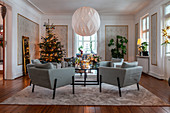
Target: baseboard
17, 75
156, 75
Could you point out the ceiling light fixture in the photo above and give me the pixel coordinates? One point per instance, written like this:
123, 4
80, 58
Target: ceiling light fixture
85, 21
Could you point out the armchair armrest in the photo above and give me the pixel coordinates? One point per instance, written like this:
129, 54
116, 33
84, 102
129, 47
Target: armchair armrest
132, 75
28, 67
110, 74
57, 65
104, 63
117, 64
63, 76
64, 64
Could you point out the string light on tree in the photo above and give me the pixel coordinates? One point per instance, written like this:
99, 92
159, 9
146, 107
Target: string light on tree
51, 48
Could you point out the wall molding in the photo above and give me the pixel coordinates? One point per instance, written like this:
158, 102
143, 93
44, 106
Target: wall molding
161, 77
114, 26
154, 45
29, 8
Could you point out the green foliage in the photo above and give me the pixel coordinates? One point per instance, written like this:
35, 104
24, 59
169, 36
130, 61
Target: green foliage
119, 47
77, 61
91, 46
144, 46
51, 48
97, 58
80, 48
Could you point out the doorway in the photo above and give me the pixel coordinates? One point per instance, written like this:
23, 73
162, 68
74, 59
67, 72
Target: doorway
2, 46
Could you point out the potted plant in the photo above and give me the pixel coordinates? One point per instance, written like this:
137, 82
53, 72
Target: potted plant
81, 49
91, 50
119, 47
144, 47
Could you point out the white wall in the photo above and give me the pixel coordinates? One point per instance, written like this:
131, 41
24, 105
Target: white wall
167, 71
105, 20
155, 7
13, 8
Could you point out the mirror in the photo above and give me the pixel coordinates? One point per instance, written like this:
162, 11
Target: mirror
26, 53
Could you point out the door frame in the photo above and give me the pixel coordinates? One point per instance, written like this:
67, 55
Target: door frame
4, 45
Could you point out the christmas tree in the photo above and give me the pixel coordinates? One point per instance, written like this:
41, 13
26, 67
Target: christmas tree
51, 48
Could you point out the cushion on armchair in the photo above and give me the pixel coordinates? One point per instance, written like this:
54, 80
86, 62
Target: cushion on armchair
116, 62
36, 61
57, 65
129, 65
45, 66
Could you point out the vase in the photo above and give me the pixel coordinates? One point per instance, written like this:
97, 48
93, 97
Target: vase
140, 53
145, 53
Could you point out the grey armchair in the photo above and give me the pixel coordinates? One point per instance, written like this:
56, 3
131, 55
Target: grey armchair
37, 62
120, 77
28, 67
51, 78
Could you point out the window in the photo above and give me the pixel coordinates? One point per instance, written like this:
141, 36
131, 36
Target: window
88, 42
167, 21
145, 29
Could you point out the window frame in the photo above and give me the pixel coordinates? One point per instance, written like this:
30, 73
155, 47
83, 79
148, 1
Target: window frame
146, 30
165, 17
83, 41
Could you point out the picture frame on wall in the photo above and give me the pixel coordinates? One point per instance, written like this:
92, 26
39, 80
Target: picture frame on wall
154, 39
111, 32
27, 28
61, 31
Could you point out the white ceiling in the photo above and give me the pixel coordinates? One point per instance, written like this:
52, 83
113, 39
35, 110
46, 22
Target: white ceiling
102, 6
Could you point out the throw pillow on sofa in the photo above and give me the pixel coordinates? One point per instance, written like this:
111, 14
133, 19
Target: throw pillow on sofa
129, 65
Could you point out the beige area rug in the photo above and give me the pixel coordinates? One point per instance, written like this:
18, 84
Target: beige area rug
88, 95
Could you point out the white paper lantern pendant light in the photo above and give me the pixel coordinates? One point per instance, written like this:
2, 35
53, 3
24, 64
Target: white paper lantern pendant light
85, 21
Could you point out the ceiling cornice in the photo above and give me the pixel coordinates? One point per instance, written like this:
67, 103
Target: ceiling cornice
35, 7
114, 13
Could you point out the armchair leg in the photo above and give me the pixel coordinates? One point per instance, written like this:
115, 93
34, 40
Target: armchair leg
73, 83
100, 83
33, 88
118, 82
55, 82
138, 86
30, 82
